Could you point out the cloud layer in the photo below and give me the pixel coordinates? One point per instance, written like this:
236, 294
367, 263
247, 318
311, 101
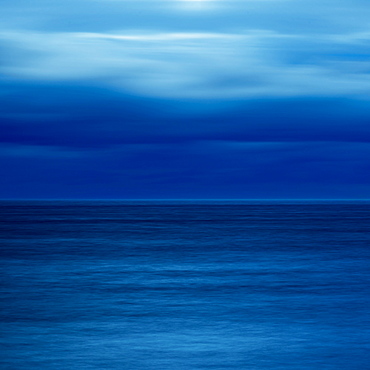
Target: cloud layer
123, 98
261, 48
195, 65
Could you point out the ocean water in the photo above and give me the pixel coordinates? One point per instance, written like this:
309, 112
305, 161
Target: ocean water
185, 285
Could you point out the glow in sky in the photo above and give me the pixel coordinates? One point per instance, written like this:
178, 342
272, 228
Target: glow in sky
197, 4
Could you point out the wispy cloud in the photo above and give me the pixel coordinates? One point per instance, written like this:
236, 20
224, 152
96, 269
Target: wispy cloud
198, 65
230, 49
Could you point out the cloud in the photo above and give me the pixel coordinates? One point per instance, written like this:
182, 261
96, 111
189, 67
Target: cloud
196, 65
92, 119
320, 16
237, 49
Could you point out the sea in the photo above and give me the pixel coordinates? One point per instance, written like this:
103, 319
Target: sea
183, 285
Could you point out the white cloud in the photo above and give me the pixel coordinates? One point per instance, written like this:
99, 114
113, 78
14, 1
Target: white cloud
198, 65
155, 36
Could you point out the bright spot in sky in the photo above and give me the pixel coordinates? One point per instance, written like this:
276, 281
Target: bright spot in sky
196, 4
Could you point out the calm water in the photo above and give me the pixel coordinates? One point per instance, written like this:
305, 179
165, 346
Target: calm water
185, 285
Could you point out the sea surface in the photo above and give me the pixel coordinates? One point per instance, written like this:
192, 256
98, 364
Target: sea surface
185, 285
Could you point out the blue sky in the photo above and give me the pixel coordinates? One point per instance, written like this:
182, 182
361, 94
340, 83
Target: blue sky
185, 99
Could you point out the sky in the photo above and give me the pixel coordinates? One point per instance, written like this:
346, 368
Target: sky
169, 99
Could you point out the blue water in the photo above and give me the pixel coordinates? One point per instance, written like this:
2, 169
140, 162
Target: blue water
185, 285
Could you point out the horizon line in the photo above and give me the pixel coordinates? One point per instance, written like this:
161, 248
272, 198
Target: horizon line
184, 199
